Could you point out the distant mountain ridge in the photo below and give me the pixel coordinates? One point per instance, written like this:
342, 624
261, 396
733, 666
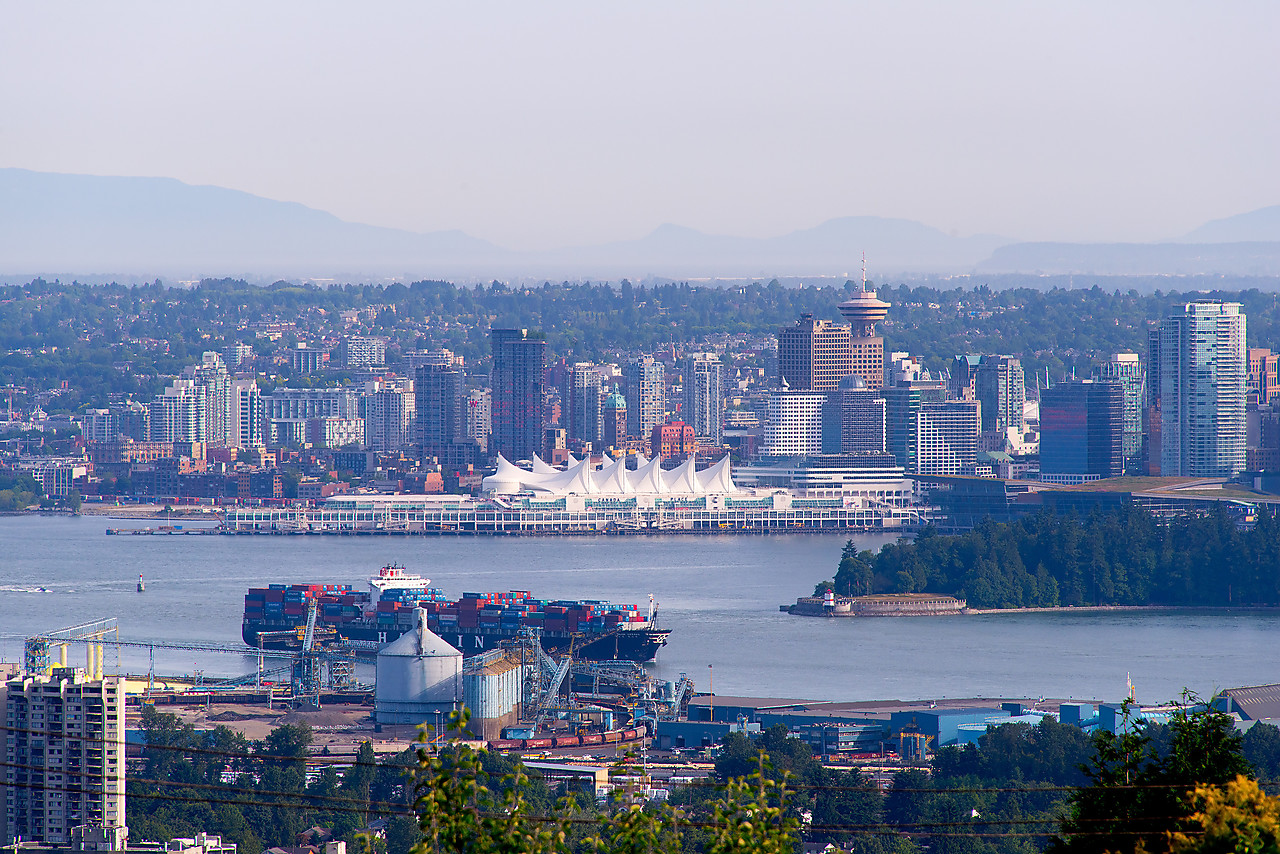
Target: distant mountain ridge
1260, 226
59, 224
88, 223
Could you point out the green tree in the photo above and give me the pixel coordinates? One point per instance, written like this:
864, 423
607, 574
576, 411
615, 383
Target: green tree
1139, 794
1235, 818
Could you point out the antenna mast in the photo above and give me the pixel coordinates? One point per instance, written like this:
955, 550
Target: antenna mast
864, 271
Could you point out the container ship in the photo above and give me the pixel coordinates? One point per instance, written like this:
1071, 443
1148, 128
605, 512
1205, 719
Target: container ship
275, 617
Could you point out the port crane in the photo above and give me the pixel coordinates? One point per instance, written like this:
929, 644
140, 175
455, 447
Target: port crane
309, 668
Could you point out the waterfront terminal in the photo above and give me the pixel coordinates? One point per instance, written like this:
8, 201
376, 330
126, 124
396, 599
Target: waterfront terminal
586, 499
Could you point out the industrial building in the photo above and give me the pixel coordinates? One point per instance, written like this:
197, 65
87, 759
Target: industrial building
493, 687
419, 675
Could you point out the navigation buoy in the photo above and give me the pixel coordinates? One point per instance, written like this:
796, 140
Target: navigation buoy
141, 587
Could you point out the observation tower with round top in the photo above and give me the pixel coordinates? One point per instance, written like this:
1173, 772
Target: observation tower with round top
863, 312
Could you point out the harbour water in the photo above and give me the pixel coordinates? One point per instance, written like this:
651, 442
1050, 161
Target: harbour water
718, 594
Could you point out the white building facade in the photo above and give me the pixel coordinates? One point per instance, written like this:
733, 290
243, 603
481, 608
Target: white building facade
1203, 384
795, 424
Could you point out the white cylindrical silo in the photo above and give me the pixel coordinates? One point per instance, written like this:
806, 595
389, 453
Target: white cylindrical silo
418, 674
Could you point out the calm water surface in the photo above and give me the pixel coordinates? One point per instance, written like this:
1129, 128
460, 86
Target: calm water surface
719, 595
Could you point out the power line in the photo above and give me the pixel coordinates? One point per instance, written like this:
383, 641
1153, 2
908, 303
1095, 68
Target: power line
320, 760
923, 828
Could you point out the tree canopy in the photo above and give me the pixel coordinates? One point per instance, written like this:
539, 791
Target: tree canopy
1125, 557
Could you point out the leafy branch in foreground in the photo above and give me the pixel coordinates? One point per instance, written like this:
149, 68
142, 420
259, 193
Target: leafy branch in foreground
463, 808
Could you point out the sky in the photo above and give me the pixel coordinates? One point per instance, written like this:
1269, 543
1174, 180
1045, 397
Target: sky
544, 125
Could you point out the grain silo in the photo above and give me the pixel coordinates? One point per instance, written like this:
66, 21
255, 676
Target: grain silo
493, 688
418, 675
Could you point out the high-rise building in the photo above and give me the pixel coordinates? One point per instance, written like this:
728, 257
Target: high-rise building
130, 419
307, 360
479, 416
862, 417
303, 403
97, 425
1001, 388
903, 402
64, 754
179, 415
795, 423
440, 406
247, 415
389, 419
615, 420
673, 441
238, 356
901, 367
1127, 370
646, 394
1082, 431
364, 351
212, 376
945, 437
519, 359
580, 404
866, 348
703, 391
964, 370
1264, 382
1203, 385
814, 355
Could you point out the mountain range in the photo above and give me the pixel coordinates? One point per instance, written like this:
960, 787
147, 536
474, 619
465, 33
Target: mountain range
95, 226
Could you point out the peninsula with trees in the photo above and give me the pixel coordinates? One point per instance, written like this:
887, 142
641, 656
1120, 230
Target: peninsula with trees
1127, 558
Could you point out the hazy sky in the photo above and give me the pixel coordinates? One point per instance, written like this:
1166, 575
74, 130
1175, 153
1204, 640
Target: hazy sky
547, 124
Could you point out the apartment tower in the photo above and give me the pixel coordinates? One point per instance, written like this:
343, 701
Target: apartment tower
1203, 380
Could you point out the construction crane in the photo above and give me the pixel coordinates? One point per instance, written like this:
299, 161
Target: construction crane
11, 389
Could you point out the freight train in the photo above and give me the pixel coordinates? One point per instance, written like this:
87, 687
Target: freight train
619, 736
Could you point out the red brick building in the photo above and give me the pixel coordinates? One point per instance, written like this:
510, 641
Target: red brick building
673, 441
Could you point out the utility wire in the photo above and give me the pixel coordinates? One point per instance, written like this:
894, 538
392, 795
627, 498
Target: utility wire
341, 803
319, 760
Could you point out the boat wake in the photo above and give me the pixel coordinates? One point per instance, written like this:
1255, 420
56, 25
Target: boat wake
20, 588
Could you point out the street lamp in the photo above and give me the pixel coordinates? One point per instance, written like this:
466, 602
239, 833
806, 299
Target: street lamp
711, 691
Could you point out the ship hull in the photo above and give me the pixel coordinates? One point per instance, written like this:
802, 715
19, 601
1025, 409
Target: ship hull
640, 645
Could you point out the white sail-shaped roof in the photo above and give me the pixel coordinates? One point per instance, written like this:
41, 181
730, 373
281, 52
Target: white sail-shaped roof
541, 467
682, 480
509, 478
648, 479
612, 478
718, 478
577, 479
